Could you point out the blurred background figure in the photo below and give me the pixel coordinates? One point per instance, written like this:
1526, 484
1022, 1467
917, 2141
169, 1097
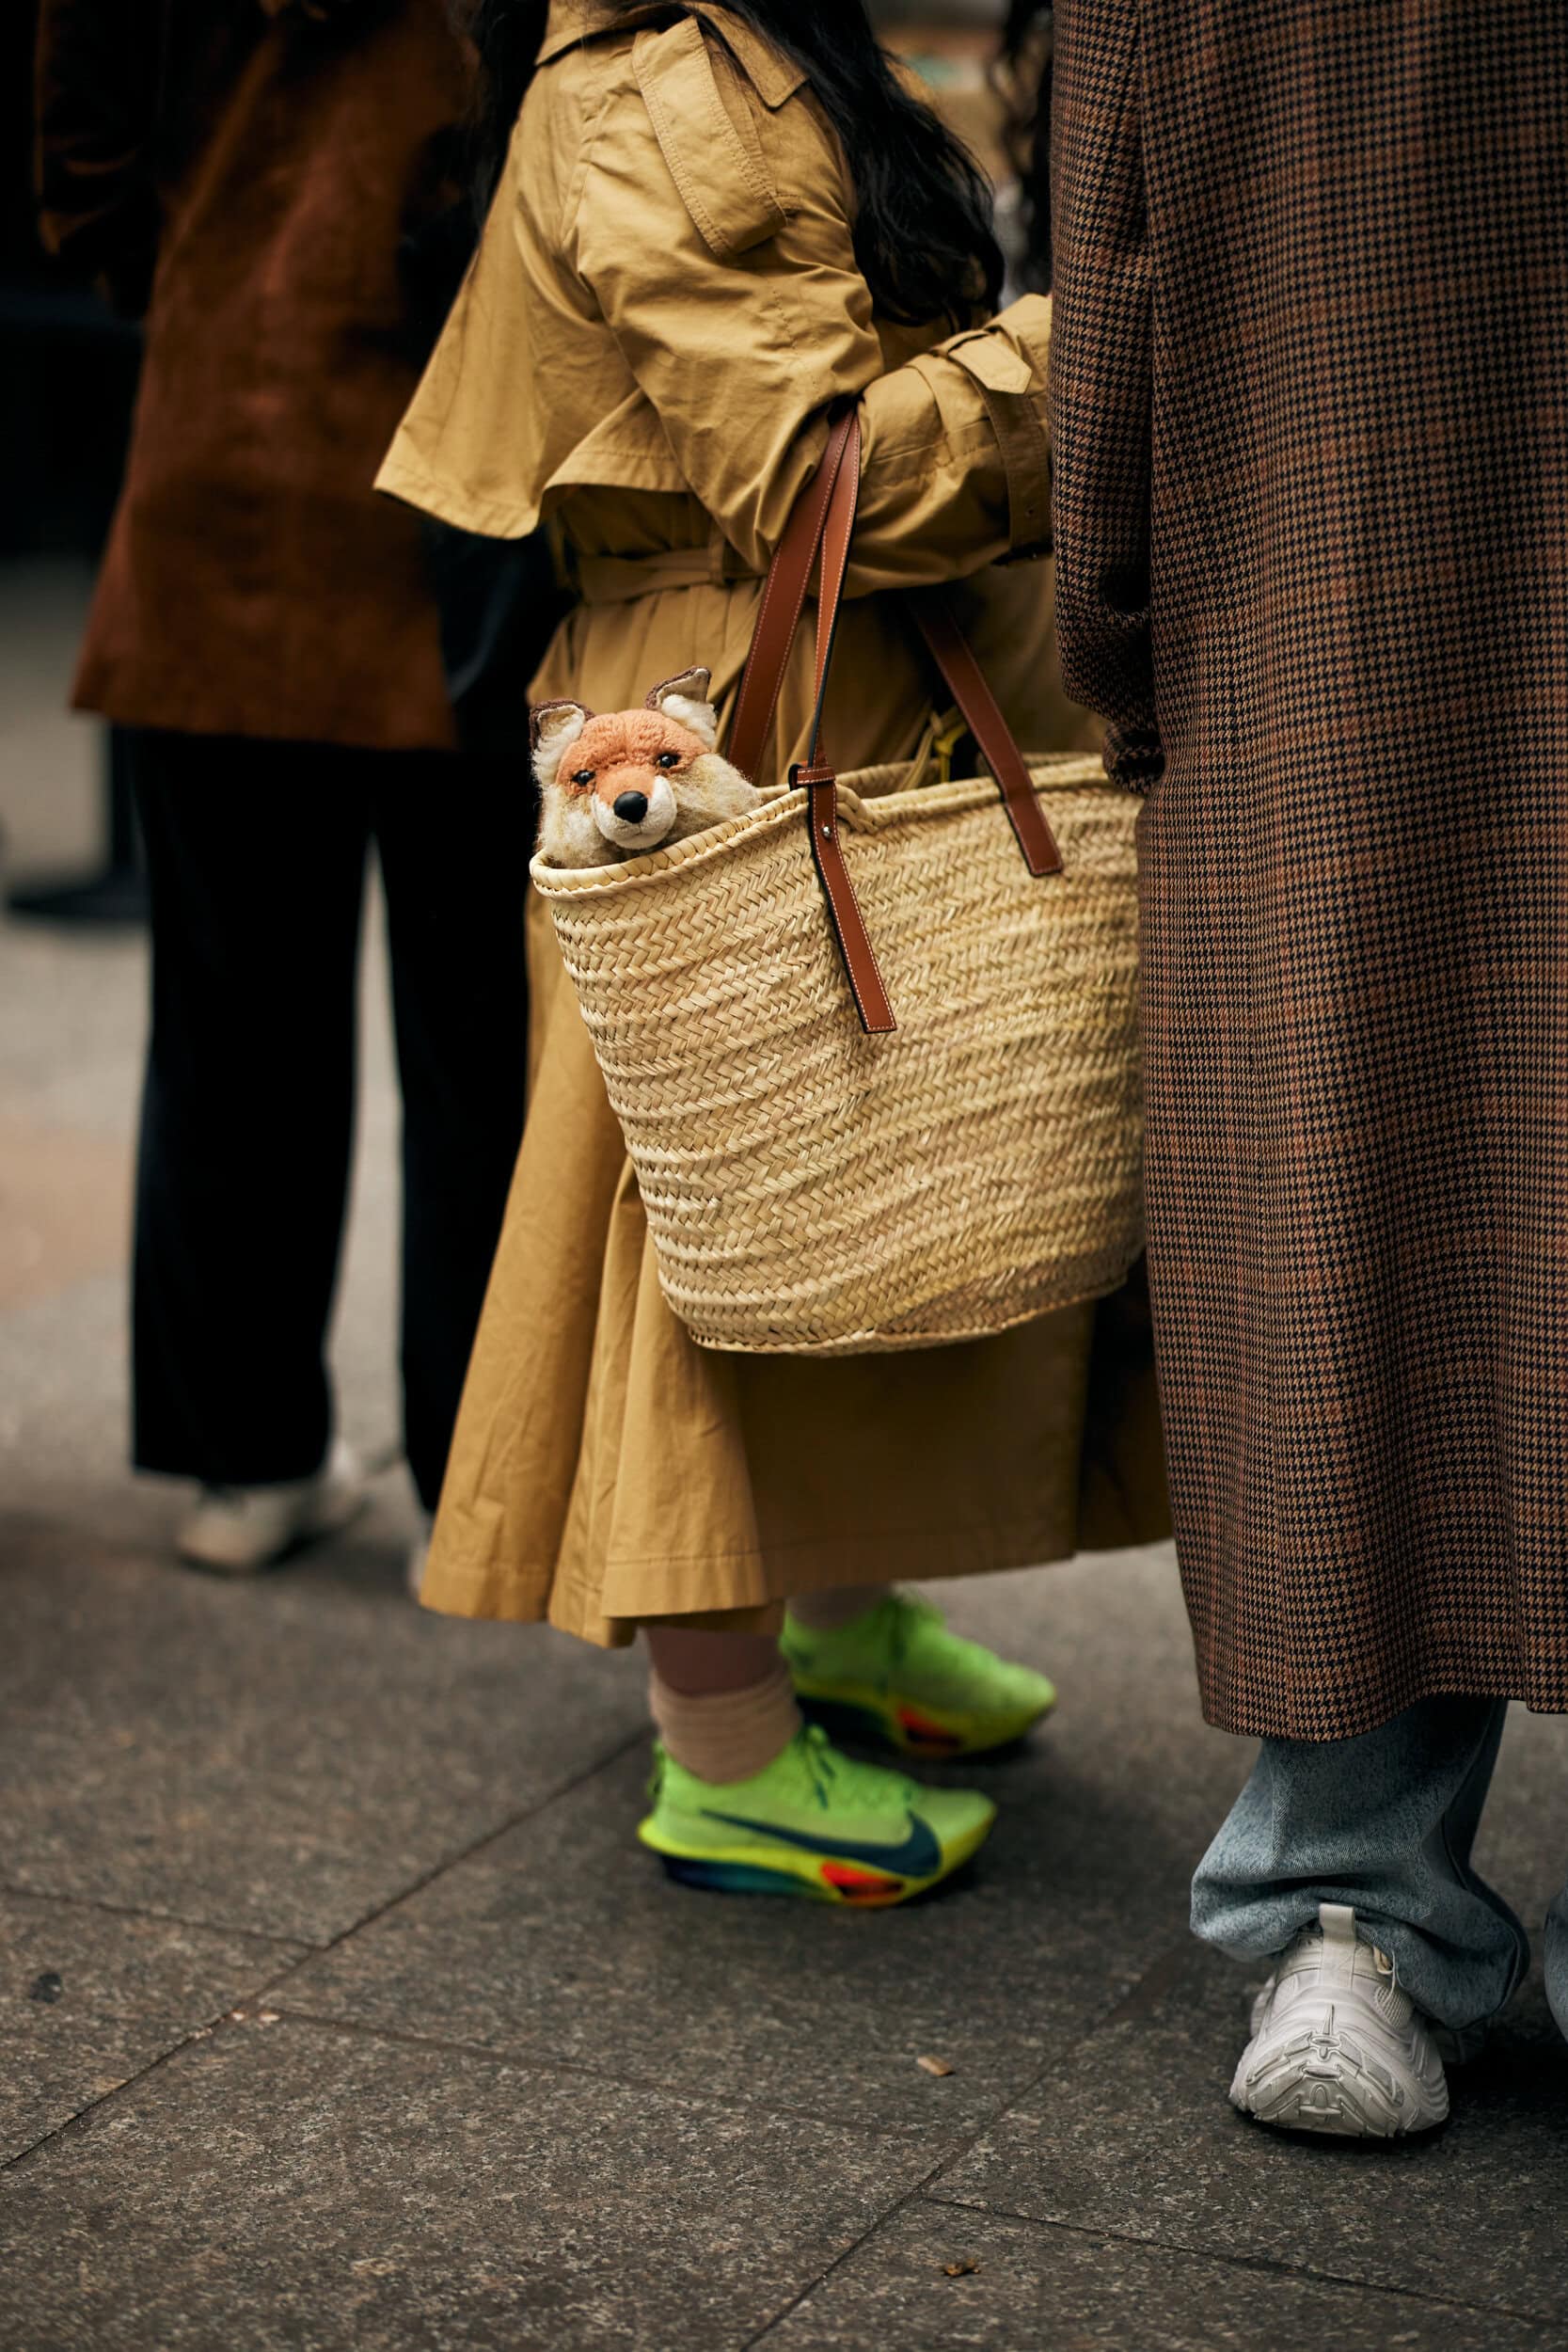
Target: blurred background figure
1022, 81
273, 184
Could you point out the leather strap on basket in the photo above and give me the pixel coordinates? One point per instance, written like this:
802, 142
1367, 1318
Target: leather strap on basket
783, 593
823, 522
818, 778
844, 909
949, 650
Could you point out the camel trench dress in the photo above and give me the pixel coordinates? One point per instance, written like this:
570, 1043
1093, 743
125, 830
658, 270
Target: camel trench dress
664, 303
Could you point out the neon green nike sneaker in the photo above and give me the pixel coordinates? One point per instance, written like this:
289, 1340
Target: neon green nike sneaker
813, 1823
896, 1679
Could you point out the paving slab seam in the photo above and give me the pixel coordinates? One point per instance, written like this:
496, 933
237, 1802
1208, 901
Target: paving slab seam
1142, 1994
878, 2222
202, 2031
300, 1944
1268, 2264
307, 1949
1145, 1992
261, 1996
545, 2063
466, 1853
916, 2193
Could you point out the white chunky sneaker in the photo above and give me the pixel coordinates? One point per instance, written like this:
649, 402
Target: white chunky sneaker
238, 1530
418, 1553
1336, 2045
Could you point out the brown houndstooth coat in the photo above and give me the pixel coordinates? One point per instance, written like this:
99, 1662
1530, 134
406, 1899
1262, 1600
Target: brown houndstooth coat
1311, 431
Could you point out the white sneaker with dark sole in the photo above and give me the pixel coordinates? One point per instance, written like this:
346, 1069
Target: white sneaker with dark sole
1336, 2045
239, 1530
418, 1553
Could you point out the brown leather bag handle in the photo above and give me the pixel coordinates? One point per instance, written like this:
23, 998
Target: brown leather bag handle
950, 650
817, 778
822, 524
783, 595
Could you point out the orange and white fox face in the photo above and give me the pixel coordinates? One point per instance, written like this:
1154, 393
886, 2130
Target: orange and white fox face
614, 785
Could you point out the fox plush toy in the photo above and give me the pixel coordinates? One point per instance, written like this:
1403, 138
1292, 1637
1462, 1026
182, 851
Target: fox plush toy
613, 785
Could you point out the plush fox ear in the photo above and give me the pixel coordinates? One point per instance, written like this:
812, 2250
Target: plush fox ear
551, 727
685, 699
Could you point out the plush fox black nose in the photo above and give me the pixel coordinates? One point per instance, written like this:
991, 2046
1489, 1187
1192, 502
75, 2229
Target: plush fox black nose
631, 808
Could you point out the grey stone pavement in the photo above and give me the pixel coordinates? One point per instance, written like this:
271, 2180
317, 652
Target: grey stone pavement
339, 2008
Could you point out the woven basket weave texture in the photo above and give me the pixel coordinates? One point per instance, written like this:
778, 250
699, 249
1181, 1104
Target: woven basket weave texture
811, 1190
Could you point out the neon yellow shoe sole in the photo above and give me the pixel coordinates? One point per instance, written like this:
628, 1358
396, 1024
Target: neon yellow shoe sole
896, 1677
863, 1715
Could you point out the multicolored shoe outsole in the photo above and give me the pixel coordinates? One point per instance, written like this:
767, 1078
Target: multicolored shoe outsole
875, 1719
817, 1878
864, 1889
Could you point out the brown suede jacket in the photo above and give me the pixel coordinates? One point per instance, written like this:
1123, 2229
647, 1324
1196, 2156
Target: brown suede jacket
247, 173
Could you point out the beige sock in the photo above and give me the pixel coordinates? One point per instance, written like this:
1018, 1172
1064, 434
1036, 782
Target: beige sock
823, 1612
727, 1734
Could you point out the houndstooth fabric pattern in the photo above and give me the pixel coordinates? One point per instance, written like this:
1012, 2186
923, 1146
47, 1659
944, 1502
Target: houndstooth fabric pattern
1310, 432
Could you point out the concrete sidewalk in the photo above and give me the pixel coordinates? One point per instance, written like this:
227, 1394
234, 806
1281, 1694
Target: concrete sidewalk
342, 2008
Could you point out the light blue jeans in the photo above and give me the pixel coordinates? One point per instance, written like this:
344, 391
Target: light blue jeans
1385, 1822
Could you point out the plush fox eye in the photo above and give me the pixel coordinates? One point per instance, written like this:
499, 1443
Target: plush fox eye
667, 759
583, 775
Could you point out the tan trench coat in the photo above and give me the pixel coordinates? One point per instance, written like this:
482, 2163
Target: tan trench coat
664, 303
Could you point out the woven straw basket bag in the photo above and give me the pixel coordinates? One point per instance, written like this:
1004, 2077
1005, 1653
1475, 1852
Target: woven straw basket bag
844, 1149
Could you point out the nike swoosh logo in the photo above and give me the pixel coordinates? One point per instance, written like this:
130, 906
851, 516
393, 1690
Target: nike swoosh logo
918, 1857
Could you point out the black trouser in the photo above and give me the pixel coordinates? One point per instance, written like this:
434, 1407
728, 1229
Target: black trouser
255, 853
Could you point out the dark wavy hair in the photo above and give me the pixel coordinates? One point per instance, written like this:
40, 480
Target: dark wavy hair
923, 238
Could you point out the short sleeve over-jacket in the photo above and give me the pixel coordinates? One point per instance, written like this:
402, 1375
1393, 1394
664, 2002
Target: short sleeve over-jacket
666, 298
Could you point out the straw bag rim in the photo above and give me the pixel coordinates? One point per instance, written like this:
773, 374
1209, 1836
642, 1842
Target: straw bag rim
784, 804
879, 1340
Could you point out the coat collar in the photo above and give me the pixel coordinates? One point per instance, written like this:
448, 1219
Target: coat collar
773, 77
